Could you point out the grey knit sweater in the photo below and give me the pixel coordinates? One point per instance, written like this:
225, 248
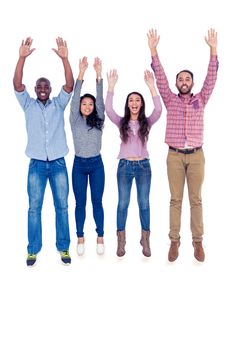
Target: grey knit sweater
87, 141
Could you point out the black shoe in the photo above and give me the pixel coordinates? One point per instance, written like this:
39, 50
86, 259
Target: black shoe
31, 259
65, 257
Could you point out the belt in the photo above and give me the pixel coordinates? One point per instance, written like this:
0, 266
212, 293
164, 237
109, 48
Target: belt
186, 150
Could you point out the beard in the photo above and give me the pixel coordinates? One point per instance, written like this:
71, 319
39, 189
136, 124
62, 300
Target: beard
185, 91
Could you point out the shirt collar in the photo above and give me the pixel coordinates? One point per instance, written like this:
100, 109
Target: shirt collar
41, 104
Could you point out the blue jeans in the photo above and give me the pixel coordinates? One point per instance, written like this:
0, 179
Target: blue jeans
92, 168
38, 174
126, 172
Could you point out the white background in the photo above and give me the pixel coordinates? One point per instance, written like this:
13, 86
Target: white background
106, 302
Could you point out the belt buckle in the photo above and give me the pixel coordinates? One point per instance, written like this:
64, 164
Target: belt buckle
190, 150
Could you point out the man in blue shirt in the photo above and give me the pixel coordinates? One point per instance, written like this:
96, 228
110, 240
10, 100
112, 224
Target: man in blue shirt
46, 147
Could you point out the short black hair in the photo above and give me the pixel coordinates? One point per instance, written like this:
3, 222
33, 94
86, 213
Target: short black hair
44, 80
185, 71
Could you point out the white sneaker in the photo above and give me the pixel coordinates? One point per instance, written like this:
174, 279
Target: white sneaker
80, 249
100, 248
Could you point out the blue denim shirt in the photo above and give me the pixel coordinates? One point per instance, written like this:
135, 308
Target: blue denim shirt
45, 125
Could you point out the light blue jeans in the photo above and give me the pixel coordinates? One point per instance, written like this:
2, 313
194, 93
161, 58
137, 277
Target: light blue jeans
126, 172
38, 174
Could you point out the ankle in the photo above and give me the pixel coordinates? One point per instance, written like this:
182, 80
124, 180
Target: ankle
100, 240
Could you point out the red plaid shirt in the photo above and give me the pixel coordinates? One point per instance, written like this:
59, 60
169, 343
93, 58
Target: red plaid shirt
185, 115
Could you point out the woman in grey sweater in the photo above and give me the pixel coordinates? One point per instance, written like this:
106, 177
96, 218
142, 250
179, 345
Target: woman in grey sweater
87, 119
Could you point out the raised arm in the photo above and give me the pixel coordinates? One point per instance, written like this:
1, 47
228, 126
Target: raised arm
112, 78
75, 102
211, 76
24, 51
149, 80
99, 88
161, 79
62, 52
98, 68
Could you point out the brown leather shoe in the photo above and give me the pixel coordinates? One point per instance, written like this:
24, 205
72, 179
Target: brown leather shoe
199, 251
145, 242
121, 243
173, 251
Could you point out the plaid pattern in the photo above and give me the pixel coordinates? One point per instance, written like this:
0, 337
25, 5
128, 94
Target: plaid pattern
185, 115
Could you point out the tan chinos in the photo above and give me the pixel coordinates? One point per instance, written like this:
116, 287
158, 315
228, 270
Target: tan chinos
189, 167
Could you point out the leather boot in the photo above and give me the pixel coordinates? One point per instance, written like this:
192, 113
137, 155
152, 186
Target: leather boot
145, 242
173, 251
199, 251
121, 243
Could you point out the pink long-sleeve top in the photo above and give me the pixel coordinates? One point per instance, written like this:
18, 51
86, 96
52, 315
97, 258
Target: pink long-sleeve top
134, 146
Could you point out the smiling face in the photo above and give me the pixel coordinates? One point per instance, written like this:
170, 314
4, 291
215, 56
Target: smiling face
86, 106
184, 83
134, 104
43, 89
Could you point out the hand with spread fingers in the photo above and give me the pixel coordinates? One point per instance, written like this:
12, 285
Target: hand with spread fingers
112, 78
25, 48
62, 50
150, 82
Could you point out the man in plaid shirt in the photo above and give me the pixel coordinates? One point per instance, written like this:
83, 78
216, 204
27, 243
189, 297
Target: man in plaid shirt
184, 136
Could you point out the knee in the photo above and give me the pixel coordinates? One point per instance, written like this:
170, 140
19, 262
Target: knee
61, 203
144, 204
123, 205
195, 202
35, 203
176, 202
97, 203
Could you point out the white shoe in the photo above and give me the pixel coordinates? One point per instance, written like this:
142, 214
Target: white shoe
80, 249
100, 248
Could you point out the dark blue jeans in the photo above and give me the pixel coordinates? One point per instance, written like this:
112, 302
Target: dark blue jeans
93, 169
126, 172
38, 174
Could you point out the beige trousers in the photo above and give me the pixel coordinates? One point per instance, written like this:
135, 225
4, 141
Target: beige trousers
190, 167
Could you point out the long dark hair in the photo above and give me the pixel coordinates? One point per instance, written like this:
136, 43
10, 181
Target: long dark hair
92, 120
143, 131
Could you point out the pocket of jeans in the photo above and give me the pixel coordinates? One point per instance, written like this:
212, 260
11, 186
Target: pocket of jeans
121, 164
32, 163
145, 165
61, 162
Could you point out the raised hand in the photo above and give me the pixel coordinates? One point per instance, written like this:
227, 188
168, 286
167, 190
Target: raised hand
211, 39
25, 48
149, 78
83, 64
62, 50
150, 82
98, 67
153, 38
112, 78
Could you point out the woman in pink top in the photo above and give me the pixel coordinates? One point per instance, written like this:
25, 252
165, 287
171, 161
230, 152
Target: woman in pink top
133, 157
